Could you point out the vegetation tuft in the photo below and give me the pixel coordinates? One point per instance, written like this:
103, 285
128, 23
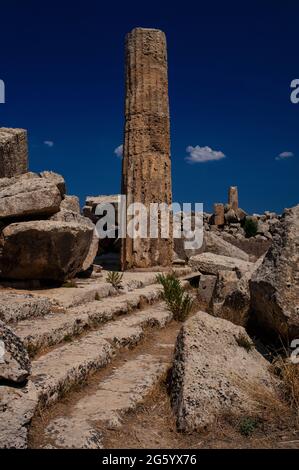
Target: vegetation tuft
248, 425
177, 300
250, 227
71, 284
115, 279
244, 342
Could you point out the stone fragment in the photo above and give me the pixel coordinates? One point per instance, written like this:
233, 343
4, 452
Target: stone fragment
275, 285
13, 152
213, 374
44, 250
55, 179
206, 289
70, 203
69, 216
231, 217
213, 243
28, 195
209, 263
14, 361
18, 406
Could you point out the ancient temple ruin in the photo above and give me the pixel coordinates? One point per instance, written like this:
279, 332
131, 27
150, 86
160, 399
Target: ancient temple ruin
146, 173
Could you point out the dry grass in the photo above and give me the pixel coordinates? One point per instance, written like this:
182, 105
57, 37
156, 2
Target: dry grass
288, 372
70, 284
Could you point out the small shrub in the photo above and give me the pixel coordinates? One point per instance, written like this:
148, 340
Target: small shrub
70, 284
248, 425
250, 227
244, 342
177, 300
68, 338
115, 279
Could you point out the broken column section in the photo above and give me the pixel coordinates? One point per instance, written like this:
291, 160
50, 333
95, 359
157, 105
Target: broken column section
146, 173
13, 152
219, 214
233, 198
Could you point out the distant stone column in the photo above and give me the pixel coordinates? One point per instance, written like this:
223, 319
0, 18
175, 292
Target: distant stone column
13, 152
219, 214
233, 197
146, 172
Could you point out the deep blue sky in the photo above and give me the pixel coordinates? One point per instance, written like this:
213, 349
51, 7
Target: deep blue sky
230, 68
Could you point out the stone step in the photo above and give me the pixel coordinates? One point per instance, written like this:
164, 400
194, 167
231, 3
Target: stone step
87, 290
121, 392
17, 306
71, 364
41, 333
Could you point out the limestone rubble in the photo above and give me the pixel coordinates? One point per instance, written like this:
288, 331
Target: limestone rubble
275, 285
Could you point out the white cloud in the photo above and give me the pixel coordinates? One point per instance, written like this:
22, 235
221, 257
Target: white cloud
49, 143
199, 154
284, 155
119, 151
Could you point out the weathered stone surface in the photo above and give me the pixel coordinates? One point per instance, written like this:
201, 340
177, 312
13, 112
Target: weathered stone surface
212, 374
231, 216
206, 288
219, 214
17, 409
92, 252
48, 250
275, 285
38, 334
13, 152
231, 299
14, 360
241, 214
55, 179
28, 195
215, 244
115, 396
253, 247
72, 363
146, 173
70, 216
263, 228
209, 263
233, 200
15, 306
91, 209
70, 203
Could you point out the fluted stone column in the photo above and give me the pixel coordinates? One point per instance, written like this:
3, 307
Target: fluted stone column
13, 152
233, 197
146, 173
